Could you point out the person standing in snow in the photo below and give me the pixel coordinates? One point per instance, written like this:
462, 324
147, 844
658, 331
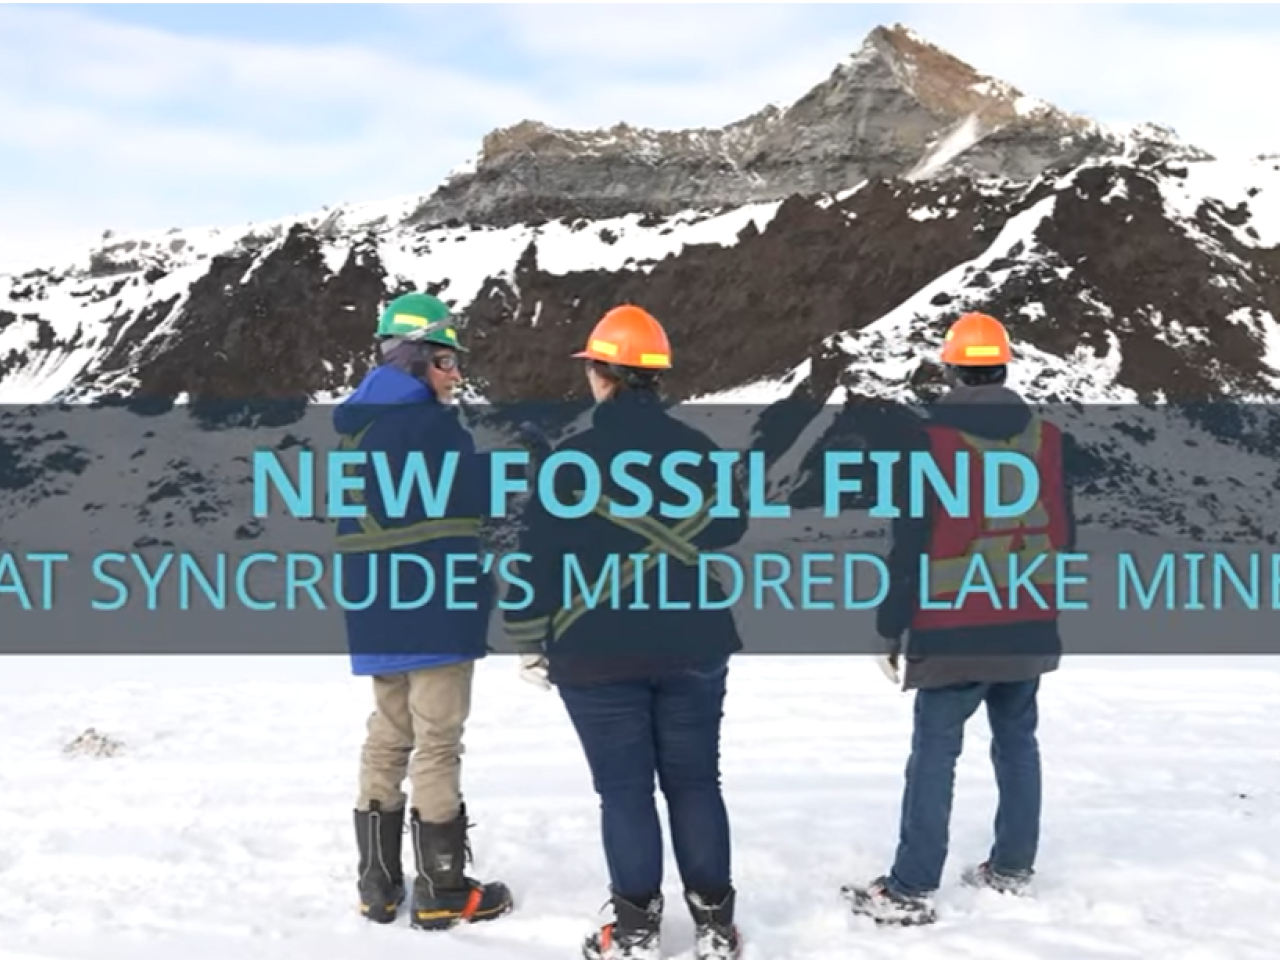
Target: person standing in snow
644, 688
421, 659
959, 659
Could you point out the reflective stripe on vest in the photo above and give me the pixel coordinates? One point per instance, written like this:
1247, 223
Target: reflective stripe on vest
999, 541
374, 537
674, 541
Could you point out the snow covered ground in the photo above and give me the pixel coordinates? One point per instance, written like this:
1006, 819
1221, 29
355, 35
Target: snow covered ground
224, 827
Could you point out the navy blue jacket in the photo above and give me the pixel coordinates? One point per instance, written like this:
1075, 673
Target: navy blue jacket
603, 644
395, 414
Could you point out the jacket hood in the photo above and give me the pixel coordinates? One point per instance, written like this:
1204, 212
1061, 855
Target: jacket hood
990, 411
385, 386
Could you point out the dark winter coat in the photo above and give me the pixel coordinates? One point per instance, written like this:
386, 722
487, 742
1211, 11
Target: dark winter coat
932, 656
395, 413
613, 644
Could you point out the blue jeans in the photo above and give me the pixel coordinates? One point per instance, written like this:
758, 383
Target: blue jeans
940, 717
669, 727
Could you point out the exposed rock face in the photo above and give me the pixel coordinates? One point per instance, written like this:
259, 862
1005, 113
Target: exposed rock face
245, 323
899, 107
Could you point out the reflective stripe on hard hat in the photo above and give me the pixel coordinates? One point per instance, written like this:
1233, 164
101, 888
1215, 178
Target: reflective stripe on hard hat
974, 353
423, 325
442, 328
605, 347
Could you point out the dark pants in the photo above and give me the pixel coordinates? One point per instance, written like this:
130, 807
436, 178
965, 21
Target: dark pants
940, 717
668, 727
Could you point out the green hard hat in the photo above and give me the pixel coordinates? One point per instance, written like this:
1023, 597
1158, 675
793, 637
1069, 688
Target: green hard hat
419, 316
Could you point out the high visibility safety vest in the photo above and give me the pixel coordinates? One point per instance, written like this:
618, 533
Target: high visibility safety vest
968, 556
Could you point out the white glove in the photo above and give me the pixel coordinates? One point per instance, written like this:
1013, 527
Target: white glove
888, 664
533, 669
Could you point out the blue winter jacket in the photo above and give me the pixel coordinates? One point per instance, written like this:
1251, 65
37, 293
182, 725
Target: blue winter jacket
393, 414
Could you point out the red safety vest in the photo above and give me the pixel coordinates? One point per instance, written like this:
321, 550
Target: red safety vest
955, 542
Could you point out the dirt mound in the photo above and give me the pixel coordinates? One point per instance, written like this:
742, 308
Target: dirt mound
272, 327
1110, 270
740, 313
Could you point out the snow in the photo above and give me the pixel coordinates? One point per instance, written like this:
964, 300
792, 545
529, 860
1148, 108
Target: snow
335, 255
463, 257
839, 196
1026, 106
1267, 329
562, 250
369, 214
1119, 191
50, 373
1176, 333
759, 392
224, 827
955, 142
467, 256
1231, 182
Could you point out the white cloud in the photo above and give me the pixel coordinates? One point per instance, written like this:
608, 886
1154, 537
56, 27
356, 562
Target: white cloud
126, 127
118, 126
698, 38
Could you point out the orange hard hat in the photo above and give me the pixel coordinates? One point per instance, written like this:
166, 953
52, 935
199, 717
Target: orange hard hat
976, 340
629, 336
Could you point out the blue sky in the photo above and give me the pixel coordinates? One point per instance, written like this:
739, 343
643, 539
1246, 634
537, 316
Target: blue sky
151, 116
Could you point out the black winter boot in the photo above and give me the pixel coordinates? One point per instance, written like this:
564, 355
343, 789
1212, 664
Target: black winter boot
634, 934
716, 938
443, 895
381, 874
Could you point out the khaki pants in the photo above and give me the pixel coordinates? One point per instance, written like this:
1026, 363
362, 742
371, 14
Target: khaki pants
416, 731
